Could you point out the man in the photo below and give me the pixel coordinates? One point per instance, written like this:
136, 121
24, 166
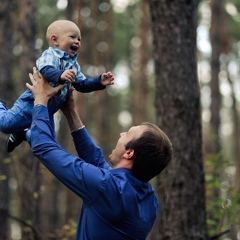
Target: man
118, 201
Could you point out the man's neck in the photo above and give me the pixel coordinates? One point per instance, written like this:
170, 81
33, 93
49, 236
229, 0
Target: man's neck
125, 164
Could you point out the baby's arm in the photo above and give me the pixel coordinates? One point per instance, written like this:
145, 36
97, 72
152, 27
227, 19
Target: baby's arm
88, 84
55, 75
68, 75
50, 67
83, 84
51, 74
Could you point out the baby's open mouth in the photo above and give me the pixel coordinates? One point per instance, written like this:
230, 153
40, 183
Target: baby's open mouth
74, 48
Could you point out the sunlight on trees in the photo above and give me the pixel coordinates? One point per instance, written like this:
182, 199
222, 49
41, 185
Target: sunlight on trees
121, 5
121, 72
62, 4
125, 119
232, 10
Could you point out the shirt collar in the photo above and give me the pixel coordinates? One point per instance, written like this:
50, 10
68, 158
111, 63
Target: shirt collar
121, 170
62, 54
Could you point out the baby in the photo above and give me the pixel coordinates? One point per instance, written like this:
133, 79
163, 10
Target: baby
58, 65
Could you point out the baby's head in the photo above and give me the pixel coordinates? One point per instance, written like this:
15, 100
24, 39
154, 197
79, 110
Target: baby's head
64, 35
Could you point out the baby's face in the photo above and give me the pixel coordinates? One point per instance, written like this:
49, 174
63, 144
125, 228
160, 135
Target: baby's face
69, 40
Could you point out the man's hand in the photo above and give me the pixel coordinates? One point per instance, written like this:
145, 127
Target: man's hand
68, 75
41, 89
107, 79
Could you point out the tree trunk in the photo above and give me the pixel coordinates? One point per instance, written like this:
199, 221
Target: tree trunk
140, 88
6, 82
216, 36
100, 49
219, 44
51, 210
29, 178
236, 145
181, 186
28, 30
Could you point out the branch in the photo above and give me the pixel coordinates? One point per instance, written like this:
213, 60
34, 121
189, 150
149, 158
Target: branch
34, 230
220, 234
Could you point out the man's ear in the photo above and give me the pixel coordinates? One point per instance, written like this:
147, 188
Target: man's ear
54, 40
129, 154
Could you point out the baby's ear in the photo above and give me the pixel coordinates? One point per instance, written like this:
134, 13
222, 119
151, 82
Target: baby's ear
54, 40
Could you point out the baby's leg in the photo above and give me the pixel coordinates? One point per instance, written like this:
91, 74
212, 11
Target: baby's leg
17, 118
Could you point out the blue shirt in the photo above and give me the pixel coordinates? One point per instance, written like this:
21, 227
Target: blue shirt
116, 205
53, 62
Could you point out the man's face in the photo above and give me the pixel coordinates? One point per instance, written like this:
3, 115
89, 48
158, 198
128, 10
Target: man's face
125, 137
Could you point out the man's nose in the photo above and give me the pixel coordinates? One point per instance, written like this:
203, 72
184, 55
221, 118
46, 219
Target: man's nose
122, 133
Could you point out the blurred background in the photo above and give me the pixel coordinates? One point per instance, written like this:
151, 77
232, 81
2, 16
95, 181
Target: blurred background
117, 36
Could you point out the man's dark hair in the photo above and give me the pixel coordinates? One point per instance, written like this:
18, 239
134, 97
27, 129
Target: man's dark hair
152, 152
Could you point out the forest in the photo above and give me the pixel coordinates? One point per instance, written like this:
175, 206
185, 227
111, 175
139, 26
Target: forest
177, 64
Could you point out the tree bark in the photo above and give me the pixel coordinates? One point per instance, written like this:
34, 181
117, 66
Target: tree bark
140, 87
236, 145
28, 30
216, 37
6, 81
181, 186
29, 177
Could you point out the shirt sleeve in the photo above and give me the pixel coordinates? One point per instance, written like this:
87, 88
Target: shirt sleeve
51, 73
86, 180
88, 150
47, 59
47, 65
89, 84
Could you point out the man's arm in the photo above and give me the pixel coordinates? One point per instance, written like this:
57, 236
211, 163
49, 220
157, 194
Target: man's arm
82, 140
84, 144
70, 112
84, 179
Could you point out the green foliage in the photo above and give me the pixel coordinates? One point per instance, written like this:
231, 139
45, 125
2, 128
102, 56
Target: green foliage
233, 18
223, 200
125, 28
67, 232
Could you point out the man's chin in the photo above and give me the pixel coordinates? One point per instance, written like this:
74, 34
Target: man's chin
110, 160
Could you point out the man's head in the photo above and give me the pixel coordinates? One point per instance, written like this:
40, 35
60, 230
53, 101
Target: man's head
145, 149
64, 35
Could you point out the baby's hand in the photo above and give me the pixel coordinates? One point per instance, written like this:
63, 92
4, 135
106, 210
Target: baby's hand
107, 79
68, 75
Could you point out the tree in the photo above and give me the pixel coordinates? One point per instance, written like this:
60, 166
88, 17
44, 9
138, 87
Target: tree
141, 55
26, 167
236, 154
6, 37
218, 43
181, 186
